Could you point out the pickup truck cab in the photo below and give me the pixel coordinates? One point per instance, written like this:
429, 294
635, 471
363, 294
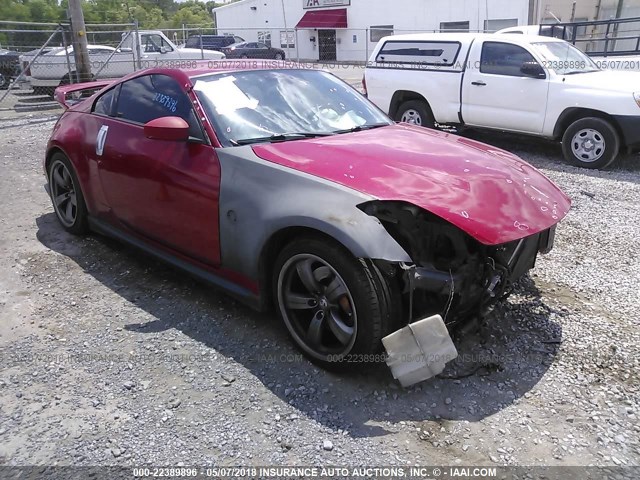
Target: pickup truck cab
525, 84
617, 54
153, 50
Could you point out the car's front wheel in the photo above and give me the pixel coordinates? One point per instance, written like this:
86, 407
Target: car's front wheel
335, 307
591, 143
279, 56
66, 195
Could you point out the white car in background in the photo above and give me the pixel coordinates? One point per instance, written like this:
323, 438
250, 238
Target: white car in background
152, 49
53, 56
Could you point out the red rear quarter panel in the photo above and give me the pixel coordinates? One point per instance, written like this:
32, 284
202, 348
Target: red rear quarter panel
73, 134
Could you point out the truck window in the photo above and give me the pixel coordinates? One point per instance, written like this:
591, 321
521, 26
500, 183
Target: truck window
193, 42
503, 59
155, 43
420, 52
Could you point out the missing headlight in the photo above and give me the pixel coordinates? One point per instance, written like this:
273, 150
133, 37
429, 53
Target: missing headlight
427, 238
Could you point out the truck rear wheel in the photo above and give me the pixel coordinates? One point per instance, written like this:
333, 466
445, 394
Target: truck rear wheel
415, 112
591, 142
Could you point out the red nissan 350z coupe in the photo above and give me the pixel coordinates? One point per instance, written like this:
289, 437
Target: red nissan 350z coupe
287, 187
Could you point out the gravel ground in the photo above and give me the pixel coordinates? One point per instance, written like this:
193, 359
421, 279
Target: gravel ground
110, 358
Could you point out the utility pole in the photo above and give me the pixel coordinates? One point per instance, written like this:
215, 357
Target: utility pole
286, 32
619, 9
79, 39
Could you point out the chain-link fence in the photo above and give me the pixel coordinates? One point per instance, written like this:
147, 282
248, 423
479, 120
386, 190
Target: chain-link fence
339, 45
35, 58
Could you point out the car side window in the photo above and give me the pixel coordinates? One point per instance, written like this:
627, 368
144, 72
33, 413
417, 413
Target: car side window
104, 103
251, 45
503, 59
146, 98
262, 46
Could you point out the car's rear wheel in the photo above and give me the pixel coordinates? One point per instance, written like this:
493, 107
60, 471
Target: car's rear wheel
279, 56
591, 143
332, 304
244, 56
66, 195
415, 112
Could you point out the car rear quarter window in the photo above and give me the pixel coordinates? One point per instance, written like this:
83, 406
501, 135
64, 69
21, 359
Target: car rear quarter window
499, 58
104, 103
419, 52
146, 98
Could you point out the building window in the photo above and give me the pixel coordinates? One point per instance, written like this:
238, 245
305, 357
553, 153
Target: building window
379, 31
454, 26
265, 37
499, 24
287, 39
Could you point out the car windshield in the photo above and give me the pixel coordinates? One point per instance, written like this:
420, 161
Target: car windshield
281, 105
564, 59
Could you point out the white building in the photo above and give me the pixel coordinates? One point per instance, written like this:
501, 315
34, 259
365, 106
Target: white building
347, 30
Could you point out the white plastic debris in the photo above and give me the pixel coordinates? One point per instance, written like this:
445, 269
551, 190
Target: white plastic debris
419, 351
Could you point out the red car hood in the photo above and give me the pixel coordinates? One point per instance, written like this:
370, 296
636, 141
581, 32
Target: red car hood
491, 194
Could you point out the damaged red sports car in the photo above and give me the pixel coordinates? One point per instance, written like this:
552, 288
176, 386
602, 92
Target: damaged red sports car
287, 188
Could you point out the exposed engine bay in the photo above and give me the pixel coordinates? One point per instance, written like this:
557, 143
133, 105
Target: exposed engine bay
452, 274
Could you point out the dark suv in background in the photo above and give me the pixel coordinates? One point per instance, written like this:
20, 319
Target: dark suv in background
212, 42
9, 67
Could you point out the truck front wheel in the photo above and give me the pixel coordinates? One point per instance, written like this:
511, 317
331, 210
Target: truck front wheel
591, 143
415, 112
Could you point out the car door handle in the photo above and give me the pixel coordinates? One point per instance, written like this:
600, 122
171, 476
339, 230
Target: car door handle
478, 84
101, 139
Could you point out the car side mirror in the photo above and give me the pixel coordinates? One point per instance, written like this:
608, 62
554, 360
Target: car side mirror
164, 50
533, 69
167, 128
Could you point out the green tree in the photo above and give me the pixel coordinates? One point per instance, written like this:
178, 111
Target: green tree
190, 13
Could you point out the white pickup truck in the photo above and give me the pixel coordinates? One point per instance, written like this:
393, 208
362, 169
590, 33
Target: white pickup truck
155, 49
526, 84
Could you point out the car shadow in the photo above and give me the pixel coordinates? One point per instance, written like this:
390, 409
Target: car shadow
498, 363
547, 154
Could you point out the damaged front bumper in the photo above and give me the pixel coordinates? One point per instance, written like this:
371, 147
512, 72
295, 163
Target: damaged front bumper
476, 285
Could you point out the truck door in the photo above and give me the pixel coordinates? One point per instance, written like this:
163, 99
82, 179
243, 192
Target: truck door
505, 88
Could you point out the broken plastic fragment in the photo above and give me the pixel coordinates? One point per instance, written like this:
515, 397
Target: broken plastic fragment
419, 351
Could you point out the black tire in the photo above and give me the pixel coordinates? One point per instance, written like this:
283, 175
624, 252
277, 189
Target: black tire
279, 56
66, 80
41, 91
77, 221
366, 290
415, 112
591, 142
244, 56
